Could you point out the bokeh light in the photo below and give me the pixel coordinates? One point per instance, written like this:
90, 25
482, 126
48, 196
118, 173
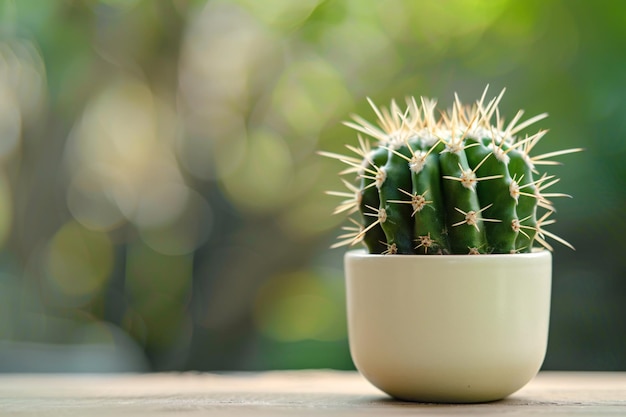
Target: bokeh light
299, 306
124, 144
79, 260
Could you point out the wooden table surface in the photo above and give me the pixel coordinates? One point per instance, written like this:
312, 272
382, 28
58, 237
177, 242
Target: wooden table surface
287, 393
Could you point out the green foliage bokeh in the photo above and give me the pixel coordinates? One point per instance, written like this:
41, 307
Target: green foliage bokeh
163, 205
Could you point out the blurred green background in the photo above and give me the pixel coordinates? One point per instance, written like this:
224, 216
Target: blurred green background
162, 202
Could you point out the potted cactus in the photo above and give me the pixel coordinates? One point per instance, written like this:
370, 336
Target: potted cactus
422, 183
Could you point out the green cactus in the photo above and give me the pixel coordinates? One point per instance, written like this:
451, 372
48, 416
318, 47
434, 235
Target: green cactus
459, 183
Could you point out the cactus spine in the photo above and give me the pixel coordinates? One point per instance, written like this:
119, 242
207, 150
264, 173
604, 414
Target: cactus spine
460, 183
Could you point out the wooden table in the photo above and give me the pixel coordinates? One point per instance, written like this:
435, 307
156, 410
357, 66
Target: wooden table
287, 393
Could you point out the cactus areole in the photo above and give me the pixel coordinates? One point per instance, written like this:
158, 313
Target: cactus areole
461, 181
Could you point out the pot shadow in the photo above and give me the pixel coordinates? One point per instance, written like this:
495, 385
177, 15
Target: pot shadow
389, 402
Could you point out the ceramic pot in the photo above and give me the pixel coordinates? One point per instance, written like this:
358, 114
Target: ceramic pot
451, 328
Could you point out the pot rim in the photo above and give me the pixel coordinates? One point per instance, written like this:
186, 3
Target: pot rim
537, 253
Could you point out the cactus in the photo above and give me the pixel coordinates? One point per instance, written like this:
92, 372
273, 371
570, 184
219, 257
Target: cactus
460, 183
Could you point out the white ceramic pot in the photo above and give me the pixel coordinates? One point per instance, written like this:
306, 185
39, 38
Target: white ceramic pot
451, 328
